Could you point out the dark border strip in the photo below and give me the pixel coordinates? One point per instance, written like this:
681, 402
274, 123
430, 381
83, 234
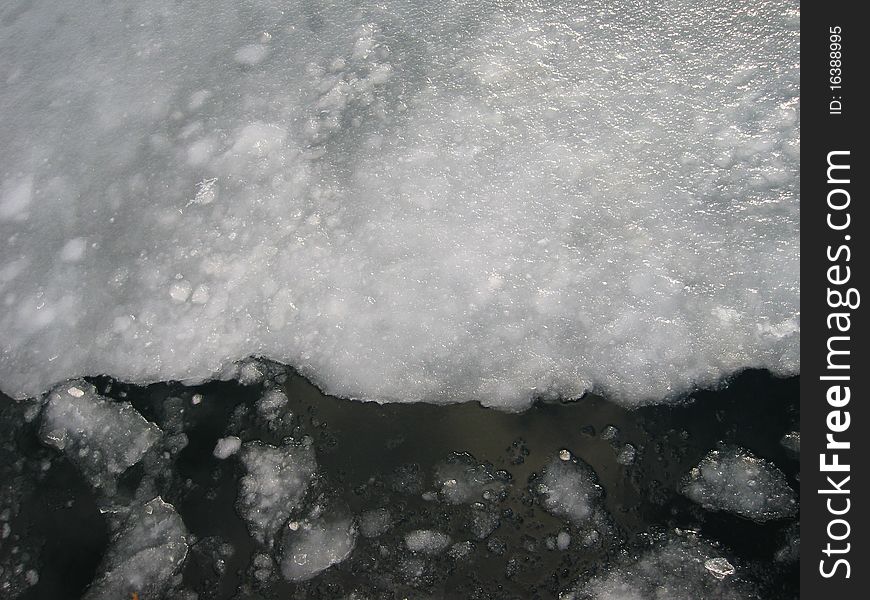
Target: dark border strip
835, 421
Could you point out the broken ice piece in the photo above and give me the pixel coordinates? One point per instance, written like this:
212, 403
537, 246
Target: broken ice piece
274, 486
732, 479
719, 567
103, 438
143, 556
314, 546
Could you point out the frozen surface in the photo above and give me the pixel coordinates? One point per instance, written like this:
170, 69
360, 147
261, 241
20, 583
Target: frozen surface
677, 569
144, 556
314, 546
405, 200
274, 486
103, 438
734, 480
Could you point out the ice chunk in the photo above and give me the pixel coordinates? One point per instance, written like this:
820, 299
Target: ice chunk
274, 486
461, 480
570, 489
719, 567
676, 569
484, 521
103, 438
563, 540
271, 405
400, 213
143, 556
226, 447
427, 541
732, 479
315, 546
627, 455
374, 523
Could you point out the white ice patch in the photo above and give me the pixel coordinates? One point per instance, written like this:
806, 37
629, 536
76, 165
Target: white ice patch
570, 489
315, 546
427, 541
376, 522
103, 438
732, 479
461, 480
274, 486
226, 447
143, 555
481, 201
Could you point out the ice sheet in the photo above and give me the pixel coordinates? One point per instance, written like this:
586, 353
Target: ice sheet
404, 200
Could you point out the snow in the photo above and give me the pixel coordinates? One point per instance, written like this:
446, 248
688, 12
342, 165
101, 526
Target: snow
471, 203
143, 556
734, 480
719, 567
103, 438
374, 523
627, 455
461, 480
315, 546
274, 485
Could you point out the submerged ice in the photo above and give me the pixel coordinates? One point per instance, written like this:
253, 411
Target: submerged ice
676, 569
103, 438
477, 201
732, 479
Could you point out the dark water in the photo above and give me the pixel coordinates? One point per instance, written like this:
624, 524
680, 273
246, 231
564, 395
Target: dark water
363, 450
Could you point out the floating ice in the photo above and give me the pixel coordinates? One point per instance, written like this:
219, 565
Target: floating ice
274, 486
103, 438
481, 201
315, 546
427, 541
271, 408
462, 480
376, 522
734, 480
627, 455
144, 555
677, 569
226, 447
570, 489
